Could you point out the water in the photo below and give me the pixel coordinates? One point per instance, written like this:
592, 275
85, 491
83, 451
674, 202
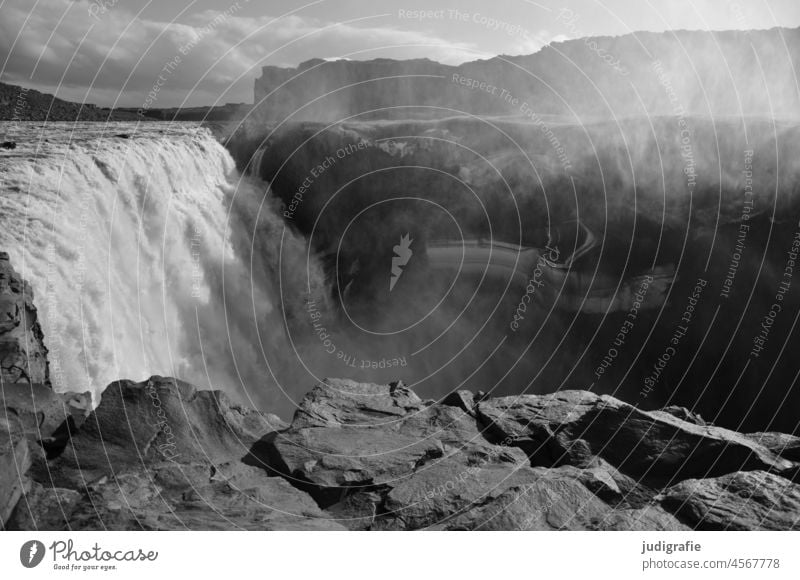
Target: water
131, 246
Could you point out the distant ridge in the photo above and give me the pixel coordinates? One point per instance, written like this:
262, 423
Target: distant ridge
730, 73
23, 104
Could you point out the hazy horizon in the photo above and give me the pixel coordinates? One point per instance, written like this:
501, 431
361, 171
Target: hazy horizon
111, 52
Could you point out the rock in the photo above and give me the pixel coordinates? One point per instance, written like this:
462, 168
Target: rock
681, 413
43, 413
463, 400
15, 460
161, 455
170, 496
542, 499
138, 424
348, 436
380, 458
8, 145
753, 500
646, 519
571, 427
337, 402
45, 508
786, 446
23, 356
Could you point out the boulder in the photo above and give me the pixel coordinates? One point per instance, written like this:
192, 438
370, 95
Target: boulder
44, 508
43, 414
753, 500
172, 496
162, 455
378, 457
161, 419
681, 413
571, 427
15, 460
786, 446
349, 436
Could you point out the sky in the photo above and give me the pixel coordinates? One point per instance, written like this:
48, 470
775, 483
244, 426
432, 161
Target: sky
202, 52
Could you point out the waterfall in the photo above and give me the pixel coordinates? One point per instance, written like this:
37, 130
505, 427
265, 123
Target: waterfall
147, 253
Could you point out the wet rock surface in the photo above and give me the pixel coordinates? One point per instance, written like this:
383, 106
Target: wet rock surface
23, 355
162, 455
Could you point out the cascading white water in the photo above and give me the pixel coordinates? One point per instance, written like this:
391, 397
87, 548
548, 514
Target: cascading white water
128, 243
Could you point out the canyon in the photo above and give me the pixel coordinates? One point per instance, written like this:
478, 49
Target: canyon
162, 454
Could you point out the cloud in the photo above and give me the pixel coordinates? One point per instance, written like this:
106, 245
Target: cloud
210, 56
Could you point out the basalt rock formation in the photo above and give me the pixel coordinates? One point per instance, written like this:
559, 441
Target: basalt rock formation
162, 455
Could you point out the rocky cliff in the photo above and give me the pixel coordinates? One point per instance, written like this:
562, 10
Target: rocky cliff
23, 355
693, 72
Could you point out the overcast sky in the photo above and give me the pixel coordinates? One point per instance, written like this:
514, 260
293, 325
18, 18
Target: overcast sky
209, 51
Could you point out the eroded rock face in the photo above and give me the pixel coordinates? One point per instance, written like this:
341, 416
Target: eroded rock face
23, 356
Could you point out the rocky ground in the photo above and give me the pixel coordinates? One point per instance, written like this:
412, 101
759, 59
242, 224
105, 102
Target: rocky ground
163, 455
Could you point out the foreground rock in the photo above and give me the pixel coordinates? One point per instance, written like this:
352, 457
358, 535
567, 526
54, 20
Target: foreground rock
138, 425
737, 501
15, 460
384, 459
572, 427
162, 455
